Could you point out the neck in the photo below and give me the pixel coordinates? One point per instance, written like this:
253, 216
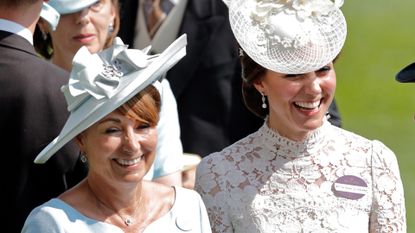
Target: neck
110, 203
25, 15
60, 60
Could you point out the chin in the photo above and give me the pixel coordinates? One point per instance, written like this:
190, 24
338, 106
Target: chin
313, 124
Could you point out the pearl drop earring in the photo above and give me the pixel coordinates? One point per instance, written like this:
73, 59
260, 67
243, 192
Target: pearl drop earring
264, 104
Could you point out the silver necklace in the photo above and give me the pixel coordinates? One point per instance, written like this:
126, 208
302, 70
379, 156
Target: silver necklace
127, 220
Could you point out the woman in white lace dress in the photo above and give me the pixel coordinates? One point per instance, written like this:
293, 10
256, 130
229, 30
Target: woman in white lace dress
297, 173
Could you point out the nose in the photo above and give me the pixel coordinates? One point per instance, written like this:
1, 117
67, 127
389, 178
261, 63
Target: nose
131, 143
312, 84
82, 17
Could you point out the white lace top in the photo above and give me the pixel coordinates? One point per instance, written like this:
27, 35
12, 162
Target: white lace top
334, 181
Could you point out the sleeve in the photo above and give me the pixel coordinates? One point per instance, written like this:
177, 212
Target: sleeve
388, 207
208, 185
169, 147
41, 220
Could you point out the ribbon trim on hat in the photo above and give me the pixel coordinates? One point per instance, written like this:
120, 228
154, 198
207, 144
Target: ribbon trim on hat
99, 75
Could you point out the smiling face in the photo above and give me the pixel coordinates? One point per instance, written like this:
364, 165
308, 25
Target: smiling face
298, 103
88, 27
119, 148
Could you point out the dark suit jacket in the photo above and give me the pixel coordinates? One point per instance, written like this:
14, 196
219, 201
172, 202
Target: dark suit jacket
33, 111
207, 81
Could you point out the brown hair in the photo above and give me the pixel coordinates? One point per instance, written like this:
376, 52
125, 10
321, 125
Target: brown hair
251, 72
43, 43
144, 106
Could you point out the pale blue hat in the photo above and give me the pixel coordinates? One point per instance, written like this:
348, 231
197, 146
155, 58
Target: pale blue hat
70, 6
100, 83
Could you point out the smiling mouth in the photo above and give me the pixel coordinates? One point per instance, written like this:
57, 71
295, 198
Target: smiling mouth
308, 105
128, 162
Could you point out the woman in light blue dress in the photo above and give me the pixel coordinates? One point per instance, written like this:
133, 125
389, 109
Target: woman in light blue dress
114, 100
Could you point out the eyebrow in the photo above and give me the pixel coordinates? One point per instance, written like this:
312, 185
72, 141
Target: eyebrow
116, 120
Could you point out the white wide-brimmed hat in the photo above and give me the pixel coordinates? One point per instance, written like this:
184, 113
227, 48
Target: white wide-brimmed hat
52, 10
70, 6
289, 36
50, 15
100, 83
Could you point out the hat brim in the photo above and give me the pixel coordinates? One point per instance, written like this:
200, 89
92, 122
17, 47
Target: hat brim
68, 7
407, 74
279, 41
92, 110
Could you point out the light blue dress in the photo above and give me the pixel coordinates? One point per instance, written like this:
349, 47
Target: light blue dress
188, 214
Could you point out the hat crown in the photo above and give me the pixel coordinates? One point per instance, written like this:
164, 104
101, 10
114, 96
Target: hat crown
289, 36
99, 75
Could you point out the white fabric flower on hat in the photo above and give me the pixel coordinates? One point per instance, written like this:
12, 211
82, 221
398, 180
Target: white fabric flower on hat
289, 36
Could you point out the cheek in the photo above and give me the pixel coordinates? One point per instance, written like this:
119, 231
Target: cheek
149, 140
329, 84
104, 145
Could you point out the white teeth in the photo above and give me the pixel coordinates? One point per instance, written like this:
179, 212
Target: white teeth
310, 105
125, 162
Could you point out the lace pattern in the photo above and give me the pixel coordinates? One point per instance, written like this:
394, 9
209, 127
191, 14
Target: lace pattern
268, 183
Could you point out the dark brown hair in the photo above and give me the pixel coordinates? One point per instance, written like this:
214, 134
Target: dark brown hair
43, 45
143, 107
251, 72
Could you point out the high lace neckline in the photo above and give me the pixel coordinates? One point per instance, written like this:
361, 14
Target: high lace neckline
290, 148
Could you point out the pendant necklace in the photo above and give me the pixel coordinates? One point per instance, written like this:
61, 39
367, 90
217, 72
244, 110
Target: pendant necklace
127, 220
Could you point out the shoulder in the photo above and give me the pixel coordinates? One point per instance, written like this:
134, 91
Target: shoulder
184, 195
190, 211
33, 73
379, 153
351, 140
231, 154
45, 217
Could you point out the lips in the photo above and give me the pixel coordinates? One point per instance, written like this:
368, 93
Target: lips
128, 162
84, 37
308, 105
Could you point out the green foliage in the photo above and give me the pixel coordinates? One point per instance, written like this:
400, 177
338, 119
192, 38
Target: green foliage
381, 41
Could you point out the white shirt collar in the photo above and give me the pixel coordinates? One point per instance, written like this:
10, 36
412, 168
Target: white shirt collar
13, 27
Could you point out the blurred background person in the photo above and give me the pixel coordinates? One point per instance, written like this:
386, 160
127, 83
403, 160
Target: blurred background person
95, 24
33, 112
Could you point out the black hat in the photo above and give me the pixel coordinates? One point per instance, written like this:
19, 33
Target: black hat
407, 74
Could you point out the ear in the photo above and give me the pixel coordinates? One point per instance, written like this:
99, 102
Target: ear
113, 13
79, 140
258, 84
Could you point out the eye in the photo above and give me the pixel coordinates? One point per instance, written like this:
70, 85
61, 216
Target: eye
97, 6
111, 130
292, 75
143, 126
324, 69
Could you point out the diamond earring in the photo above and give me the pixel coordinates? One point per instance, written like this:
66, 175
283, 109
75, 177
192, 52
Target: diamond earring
83, 158
110, 28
